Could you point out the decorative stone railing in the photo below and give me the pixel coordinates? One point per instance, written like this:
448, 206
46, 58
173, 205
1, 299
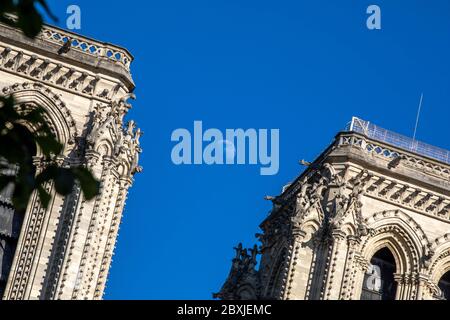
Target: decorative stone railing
403, 142
88, 46
390, 153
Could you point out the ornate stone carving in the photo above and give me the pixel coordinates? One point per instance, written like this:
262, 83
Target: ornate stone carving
242, 282
64, 252
64, 124
63, 75
351, 202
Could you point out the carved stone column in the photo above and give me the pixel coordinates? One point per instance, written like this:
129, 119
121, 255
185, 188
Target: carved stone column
33, 249
112, 227
402, 286
407, 286
335, 270
95, 237
318, 268
361, 267
422, 287
79, 235
349, 271
300, 265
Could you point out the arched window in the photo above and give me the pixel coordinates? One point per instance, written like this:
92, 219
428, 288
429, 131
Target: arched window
444, 285
379, 281
10, 221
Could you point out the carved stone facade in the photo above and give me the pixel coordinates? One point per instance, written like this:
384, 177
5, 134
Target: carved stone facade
65, 252
360, 202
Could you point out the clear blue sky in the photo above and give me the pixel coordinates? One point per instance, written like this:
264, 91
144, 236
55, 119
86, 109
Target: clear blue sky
304, 67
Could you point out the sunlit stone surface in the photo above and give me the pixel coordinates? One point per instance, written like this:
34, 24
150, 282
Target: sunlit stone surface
65, 252
368, 219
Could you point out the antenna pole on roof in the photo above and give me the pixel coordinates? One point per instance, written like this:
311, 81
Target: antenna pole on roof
417, 119
352, 123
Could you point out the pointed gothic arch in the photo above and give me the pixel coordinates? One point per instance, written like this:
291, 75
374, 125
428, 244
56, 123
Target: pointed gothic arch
57, 114
398, 232
440, 265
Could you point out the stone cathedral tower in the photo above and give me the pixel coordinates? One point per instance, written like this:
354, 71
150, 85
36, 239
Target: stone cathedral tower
65, 252
368, 219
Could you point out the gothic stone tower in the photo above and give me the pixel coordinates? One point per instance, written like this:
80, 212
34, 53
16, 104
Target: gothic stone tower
368, 219
65, 252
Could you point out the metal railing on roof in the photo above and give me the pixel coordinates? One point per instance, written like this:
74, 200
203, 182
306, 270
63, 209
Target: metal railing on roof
398, 140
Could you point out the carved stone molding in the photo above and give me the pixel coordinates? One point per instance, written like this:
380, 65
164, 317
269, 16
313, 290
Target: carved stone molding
58, 116
56, 74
